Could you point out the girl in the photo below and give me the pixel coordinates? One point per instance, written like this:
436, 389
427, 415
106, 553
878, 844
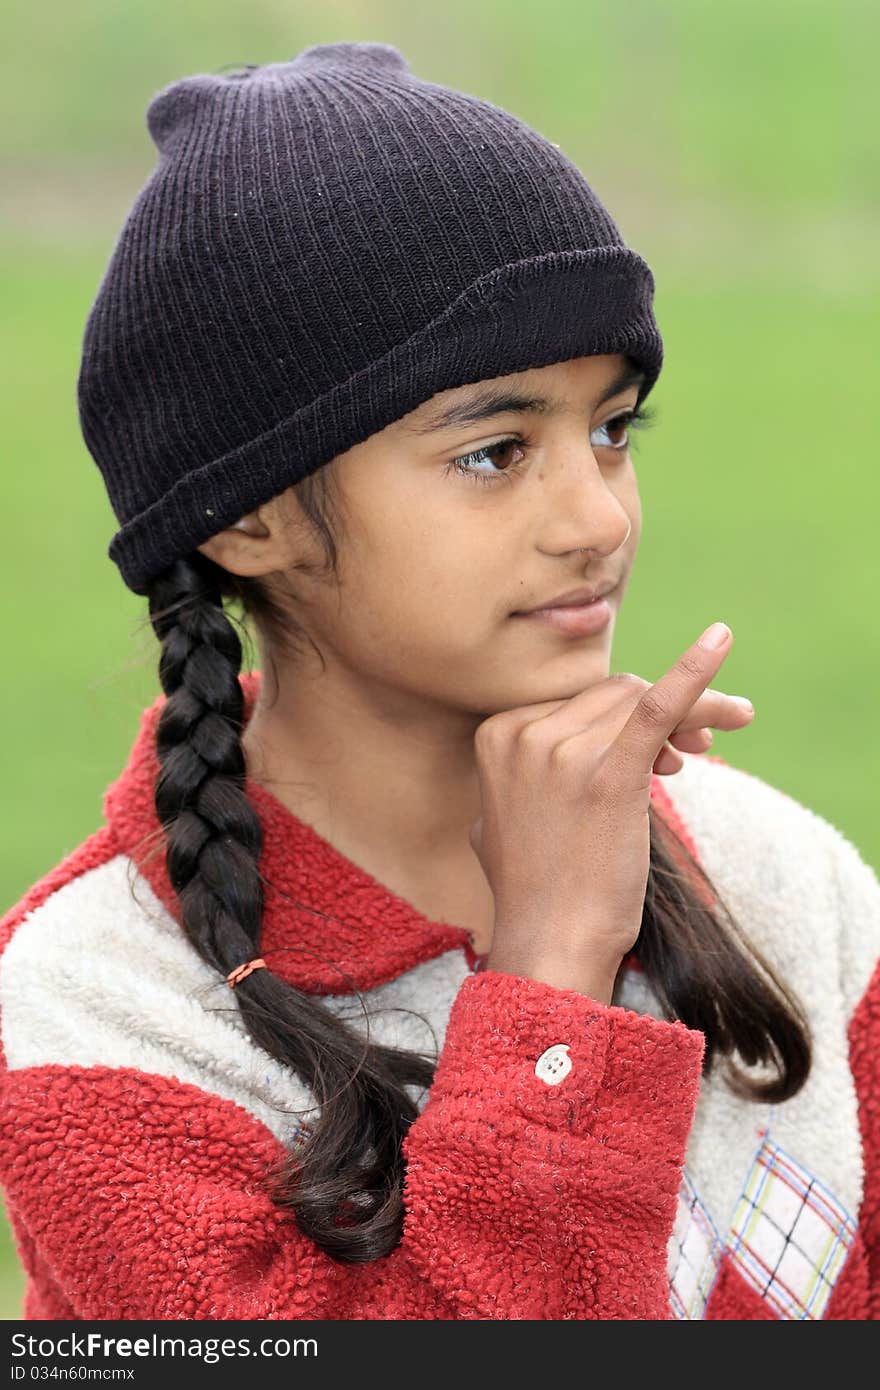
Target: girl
395, 983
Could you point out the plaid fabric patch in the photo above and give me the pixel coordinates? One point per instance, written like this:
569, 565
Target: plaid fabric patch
790, 1236
694, 1255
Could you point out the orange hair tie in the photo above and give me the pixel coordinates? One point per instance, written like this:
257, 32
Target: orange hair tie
242, 971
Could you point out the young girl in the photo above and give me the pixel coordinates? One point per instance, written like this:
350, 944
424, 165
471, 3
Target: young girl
428, 971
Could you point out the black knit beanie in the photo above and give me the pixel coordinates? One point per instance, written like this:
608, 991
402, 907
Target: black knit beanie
324, 244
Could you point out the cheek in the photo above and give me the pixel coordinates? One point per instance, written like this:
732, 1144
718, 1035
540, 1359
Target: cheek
424, 589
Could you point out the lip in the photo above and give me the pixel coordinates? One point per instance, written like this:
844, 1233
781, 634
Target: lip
575, 598
576, 620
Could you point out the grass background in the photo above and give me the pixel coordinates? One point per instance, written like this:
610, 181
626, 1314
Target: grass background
735, 147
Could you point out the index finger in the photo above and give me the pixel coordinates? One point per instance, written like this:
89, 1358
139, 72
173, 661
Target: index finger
666, 703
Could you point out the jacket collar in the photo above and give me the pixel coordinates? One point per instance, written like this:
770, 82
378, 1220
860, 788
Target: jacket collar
329, 927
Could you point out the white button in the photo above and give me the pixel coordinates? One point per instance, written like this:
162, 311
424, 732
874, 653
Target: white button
554, 1065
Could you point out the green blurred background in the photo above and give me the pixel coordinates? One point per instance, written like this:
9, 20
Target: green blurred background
736, 148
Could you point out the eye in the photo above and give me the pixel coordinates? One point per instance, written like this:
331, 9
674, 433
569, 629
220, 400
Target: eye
620, 423
493, 454
639, 418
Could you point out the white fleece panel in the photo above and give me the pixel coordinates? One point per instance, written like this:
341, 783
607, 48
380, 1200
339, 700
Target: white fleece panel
804, 897
97, 977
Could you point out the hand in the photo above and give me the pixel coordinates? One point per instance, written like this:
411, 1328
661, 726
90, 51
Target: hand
564, 835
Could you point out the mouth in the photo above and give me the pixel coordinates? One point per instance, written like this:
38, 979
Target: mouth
578, 619
577, 598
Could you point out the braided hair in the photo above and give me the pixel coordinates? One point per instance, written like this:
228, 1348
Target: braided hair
344, 1180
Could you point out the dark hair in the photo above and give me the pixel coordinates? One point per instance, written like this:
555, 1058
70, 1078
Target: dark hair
344, 1182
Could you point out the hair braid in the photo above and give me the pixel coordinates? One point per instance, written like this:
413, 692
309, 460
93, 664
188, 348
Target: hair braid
215, 838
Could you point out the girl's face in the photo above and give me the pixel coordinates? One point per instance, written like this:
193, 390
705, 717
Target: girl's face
436, 557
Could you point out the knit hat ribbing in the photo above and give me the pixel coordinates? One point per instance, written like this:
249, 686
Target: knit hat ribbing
324, 244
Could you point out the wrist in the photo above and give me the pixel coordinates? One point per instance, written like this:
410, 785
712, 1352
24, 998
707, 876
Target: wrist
595, 978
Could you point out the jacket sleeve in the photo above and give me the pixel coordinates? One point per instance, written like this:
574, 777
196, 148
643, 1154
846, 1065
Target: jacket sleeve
542, 1180
859, 898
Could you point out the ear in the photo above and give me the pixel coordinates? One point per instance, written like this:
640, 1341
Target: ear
252, 546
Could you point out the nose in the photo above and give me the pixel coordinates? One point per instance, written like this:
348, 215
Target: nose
583, 509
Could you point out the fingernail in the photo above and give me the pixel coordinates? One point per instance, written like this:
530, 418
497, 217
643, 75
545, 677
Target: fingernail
714, 636
741, 700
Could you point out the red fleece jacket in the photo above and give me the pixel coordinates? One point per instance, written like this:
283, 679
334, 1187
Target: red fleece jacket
568, 1162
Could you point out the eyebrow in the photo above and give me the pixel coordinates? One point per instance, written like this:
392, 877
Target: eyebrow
493, 400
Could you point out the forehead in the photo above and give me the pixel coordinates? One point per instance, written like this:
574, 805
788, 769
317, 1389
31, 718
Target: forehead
542, 390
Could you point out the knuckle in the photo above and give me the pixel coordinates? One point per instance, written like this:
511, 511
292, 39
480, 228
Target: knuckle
564, 755
482, 736
531, 736
692, 666
489, 735
654, 708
